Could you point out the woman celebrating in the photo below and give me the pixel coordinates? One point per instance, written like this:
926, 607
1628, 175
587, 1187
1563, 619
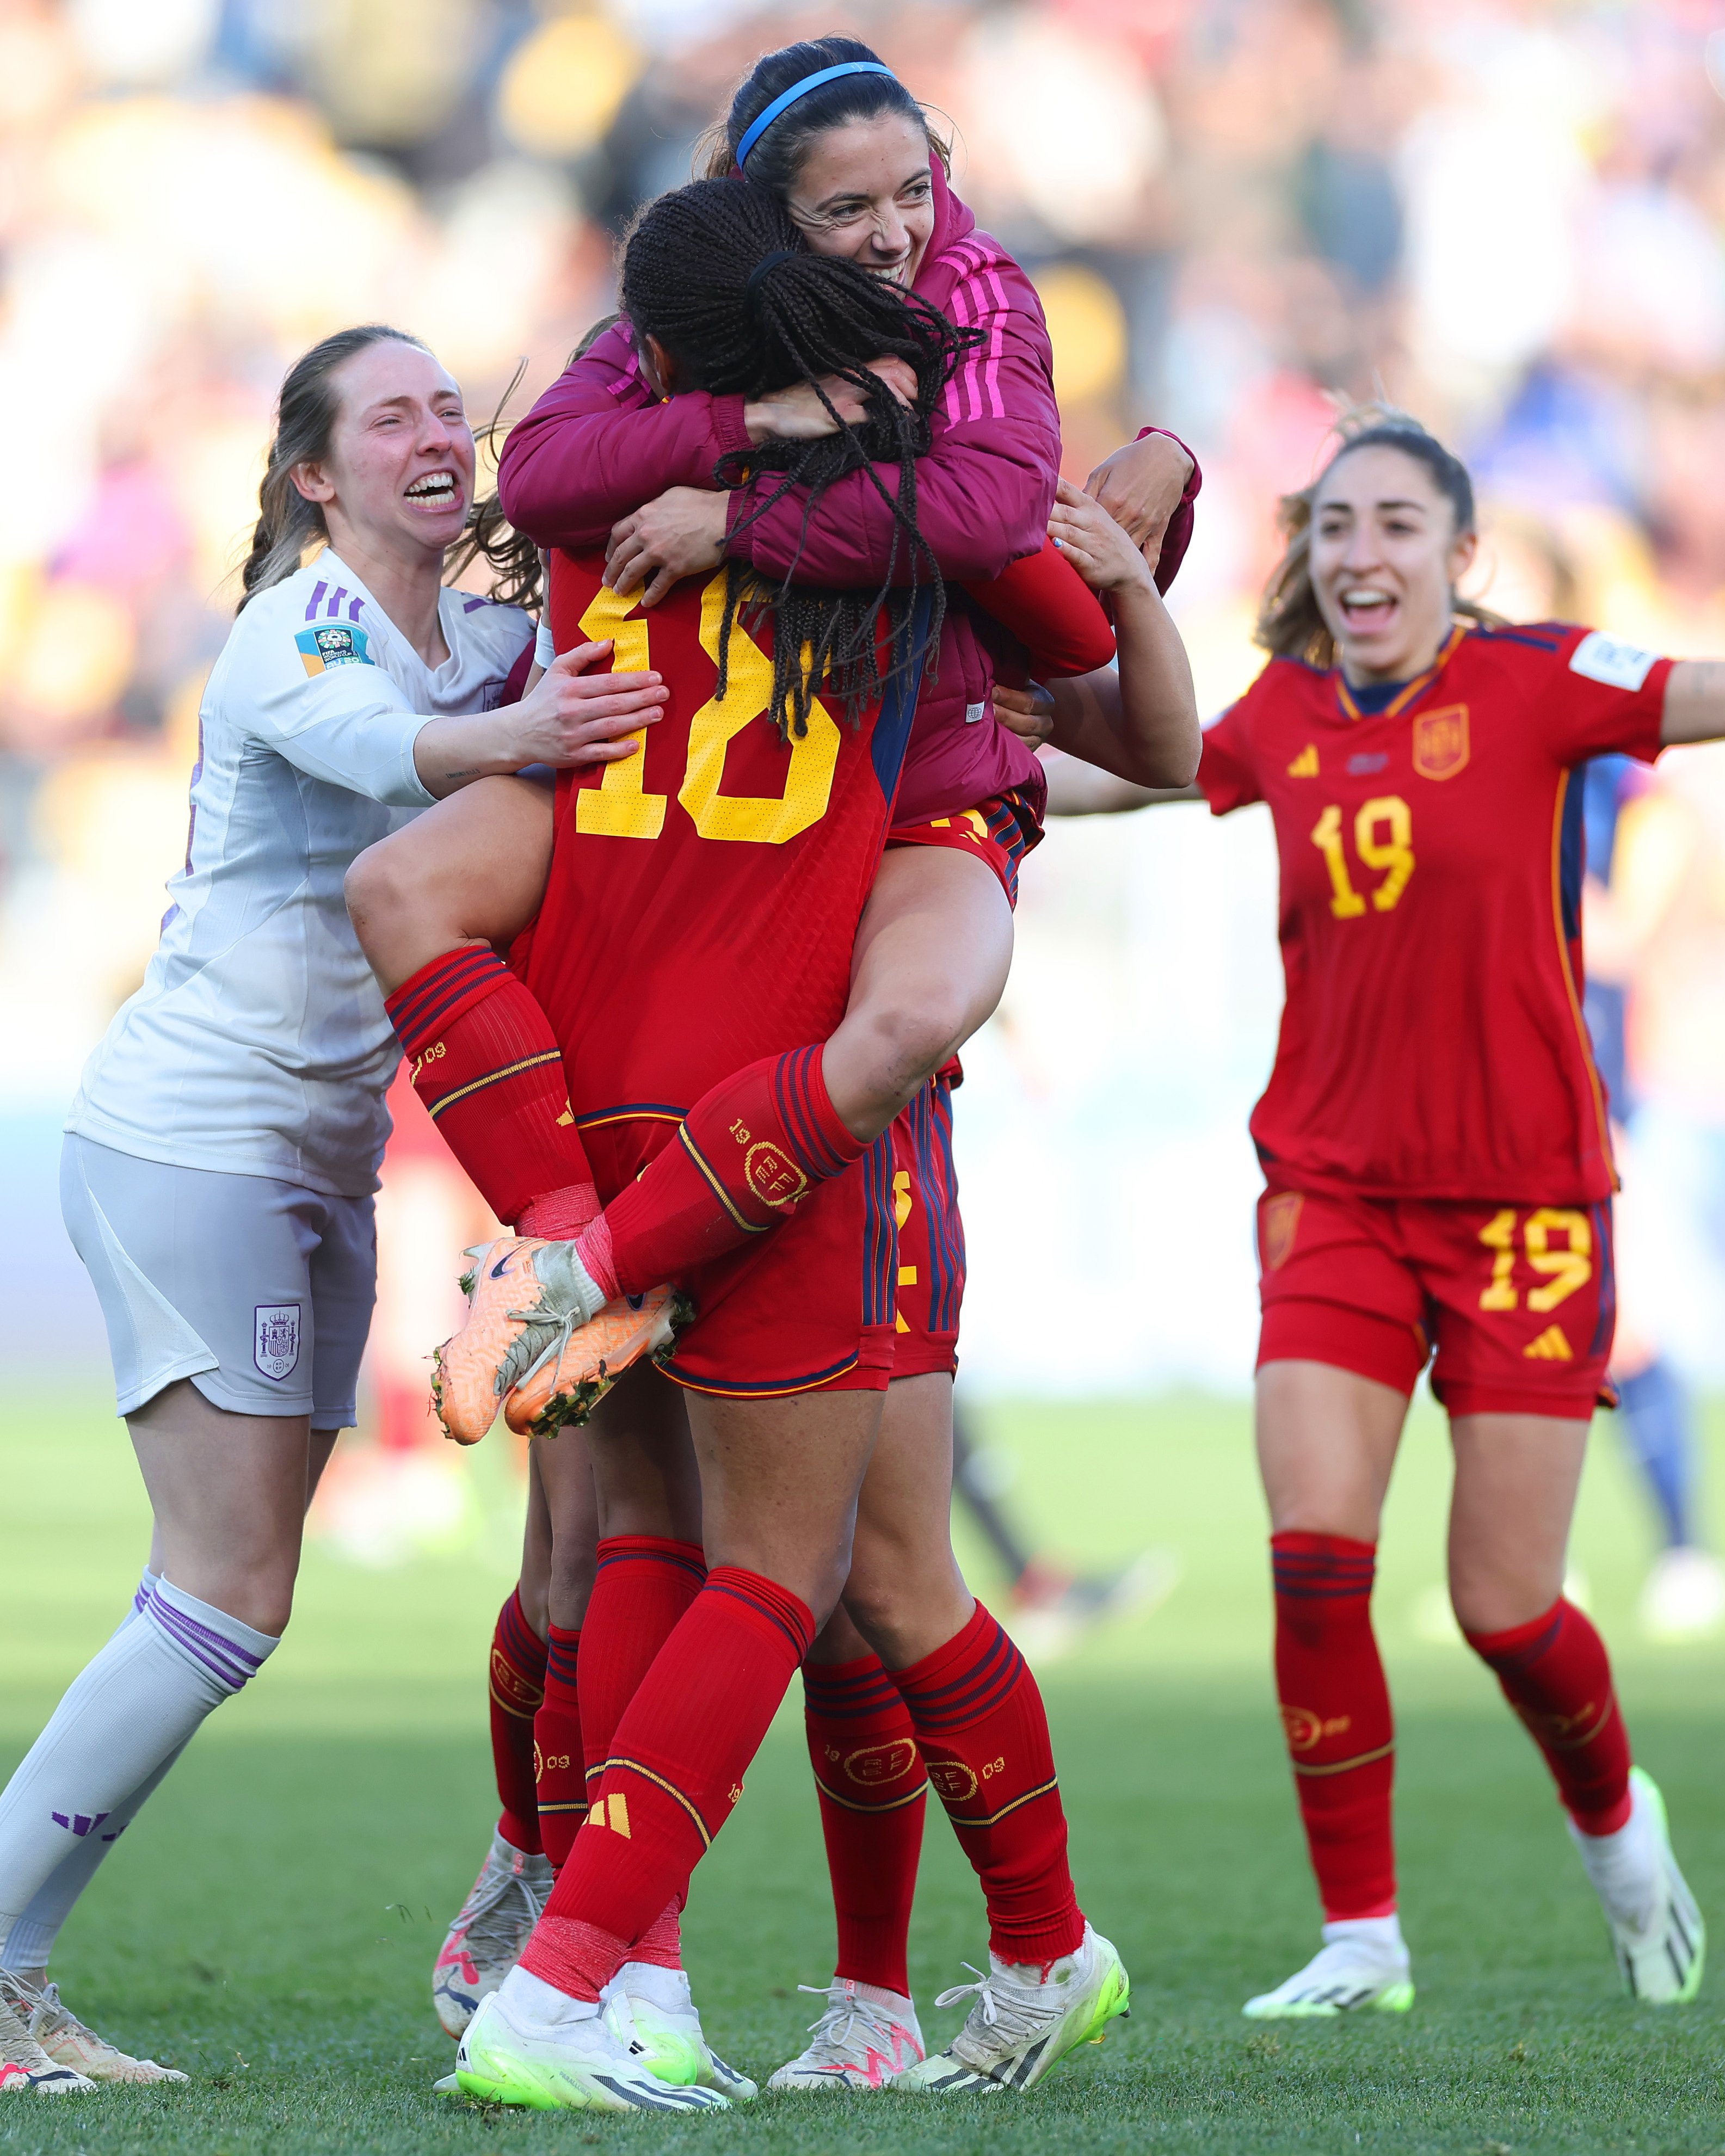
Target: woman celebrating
223, 1146
1439, 1167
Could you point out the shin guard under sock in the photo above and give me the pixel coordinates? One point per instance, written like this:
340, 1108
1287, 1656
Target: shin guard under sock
740, 1158
1555, 1673
487, 1066
559, 1765
517, 1688
1336, 1715
676, 1767
984, 1732
873, 1788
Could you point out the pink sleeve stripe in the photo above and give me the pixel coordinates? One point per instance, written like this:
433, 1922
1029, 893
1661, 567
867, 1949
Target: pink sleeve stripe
974, 391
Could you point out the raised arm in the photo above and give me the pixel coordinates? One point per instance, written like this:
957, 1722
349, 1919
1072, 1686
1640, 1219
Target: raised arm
1694, 702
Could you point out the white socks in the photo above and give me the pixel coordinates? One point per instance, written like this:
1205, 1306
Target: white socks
123, 1721
536, 2007
1625, 1867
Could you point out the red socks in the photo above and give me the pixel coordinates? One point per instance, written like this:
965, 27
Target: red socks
676, 1767
487, 1066
982, 1728
559, 1766
1335, 1712
872, 1785
517, 1686
641, 1590
742, 1157
1556, 1675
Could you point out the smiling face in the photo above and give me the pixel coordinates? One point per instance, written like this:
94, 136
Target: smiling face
865, 191
399, 474
1385, 560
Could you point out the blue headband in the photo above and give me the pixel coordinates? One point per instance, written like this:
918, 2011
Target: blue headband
758, 128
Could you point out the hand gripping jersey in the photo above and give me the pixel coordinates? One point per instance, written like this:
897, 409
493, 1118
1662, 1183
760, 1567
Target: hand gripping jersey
258, 1043
1432, 1043
699, 914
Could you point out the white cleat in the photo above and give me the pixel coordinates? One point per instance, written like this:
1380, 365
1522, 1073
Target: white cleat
1656, 1930
1683, 1597
1362, 1965
865, 2035
68, 2042
485, 1942
1024, 2021
653, 2016
530, 2046
24, 2065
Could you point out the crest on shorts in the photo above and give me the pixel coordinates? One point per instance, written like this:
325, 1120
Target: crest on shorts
1440, 741
275, 1339
1282, 1221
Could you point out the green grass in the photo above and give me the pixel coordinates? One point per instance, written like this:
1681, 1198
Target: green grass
269, 1922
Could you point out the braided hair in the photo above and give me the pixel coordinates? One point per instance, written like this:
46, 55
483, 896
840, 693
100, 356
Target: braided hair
718, 274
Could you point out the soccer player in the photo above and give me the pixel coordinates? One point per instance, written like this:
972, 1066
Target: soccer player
1438, 1157
222, 1147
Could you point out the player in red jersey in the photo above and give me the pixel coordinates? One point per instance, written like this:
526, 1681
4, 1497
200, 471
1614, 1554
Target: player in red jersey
1436, 1147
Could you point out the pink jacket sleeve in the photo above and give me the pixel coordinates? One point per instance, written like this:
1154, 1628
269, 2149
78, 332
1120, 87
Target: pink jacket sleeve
599, 444
984, 490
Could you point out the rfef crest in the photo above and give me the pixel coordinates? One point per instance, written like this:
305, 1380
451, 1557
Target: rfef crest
1281, 1222
275, 1339
1440, 741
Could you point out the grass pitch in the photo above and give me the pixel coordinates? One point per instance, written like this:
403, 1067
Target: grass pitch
269, 1922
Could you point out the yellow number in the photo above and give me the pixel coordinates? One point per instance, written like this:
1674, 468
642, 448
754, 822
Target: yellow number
619, 807
760, 820
1396, 853
1571, 1268
1499, 1235
1326, 837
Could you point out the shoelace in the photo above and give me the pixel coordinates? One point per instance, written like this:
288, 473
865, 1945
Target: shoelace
17, 2046
843, 2009
1011, 2010
487, 1903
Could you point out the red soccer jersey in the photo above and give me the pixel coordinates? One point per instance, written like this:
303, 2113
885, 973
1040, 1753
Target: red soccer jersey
1432, 1044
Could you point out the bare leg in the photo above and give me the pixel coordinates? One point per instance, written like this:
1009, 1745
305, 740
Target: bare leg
905, 1595
1327, 1442
1517, 1476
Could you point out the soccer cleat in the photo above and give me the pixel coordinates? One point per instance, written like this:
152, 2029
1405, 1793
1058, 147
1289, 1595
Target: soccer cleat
1362, 1963
485, 1942
20, 2054
1656, 1930
865, 2036
524, 1295
1018, 2031
576, 2064
652, 2017
580, 1366
68, 2042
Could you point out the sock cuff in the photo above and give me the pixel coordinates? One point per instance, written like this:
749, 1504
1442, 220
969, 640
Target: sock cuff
689, 1558
221, 1645
845, 1692
813, 1125
786, 1612
965, 1681
1523, 1643
562, 1651
147, 1585
560, 1215
596, 1247
516, 1640
442, 991
1304, 1566
576, 1958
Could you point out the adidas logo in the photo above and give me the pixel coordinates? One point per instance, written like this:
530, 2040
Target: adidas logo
613, 1812
1305, 765
1551, 1346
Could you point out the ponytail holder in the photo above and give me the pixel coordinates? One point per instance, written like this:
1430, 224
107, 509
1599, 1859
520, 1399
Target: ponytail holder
766, 263
756, 128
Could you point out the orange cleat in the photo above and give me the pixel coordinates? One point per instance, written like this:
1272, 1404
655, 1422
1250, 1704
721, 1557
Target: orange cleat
525, 1297
575, 1371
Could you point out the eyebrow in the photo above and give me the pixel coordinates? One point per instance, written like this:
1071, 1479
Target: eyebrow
861, 194
1396, 503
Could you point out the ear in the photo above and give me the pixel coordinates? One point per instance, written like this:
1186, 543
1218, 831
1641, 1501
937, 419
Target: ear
658, 367
1461, 557
309, 480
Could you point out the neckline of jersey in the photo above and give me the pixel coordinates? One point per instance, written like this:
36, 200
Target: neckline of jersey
447, 596
1409, 693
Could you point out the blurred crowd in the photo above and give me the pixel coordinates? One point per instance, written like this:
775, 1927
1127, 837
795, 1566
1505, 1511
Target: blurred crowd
1507, 215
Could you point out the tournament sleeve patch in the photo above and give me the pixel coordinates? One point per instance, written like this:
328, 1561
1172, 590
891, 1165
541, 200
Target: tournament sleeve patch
333, 643
1602, 658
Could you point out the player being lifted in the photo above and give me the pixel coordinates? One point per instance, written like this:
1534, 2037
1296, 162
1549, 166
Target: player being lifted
1435, 1142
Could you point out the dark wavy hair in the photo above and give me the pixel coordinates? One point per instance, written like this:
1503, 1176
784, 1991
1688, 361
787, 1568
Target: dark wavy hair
777, 158
718, 274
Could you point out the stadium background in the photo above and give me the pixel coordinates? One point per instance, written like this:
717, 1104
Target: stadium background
1509, 214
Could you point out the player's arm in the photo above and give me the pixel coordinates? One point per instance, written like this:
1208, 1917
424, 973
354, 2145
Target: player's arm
1694, 702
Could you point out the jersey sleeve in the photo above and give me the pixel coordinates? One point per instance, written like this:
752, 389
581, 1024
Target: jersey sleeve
316, 696
1604, 697
1227, 767
1051, 609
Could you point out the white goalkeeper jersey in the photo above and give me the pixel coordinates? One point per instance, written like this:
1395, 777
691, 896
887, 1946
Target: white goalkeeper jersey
258, 1043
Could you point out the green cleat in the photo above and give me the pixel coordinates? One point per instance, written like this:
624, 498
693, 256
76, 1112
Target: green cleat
1024, 2022
653, 2019
573, 2064
1657, 1933
1362, 1967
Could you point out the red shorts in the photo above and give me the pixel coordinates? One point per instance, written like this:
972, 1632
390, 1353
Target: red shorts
1000, 833
1519, 1301
931, 1235
806, 1307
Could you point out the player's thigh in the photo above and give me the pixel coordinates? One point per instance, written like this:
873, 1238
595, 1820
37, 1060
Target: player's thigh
1327, 1442
779, 1480
645, 1477
471, 869
563, 1478
1516, 1477
933, 950
905, 1589
342, 1275
534, 1583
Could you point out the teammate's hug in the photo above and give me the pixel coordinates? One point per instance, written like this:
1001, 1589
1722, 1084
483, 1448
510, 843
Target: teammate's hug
713, 820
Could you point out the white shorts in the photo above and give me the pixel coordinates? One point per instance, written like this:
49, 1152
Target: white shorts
260, 1292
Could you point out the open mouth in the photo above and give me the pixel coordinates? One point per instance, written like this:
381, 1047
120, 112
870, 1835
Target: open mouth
1363, 609
440, 489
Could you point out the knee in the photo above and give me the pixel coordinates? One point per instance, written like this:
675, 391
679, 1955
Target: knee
384, 893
